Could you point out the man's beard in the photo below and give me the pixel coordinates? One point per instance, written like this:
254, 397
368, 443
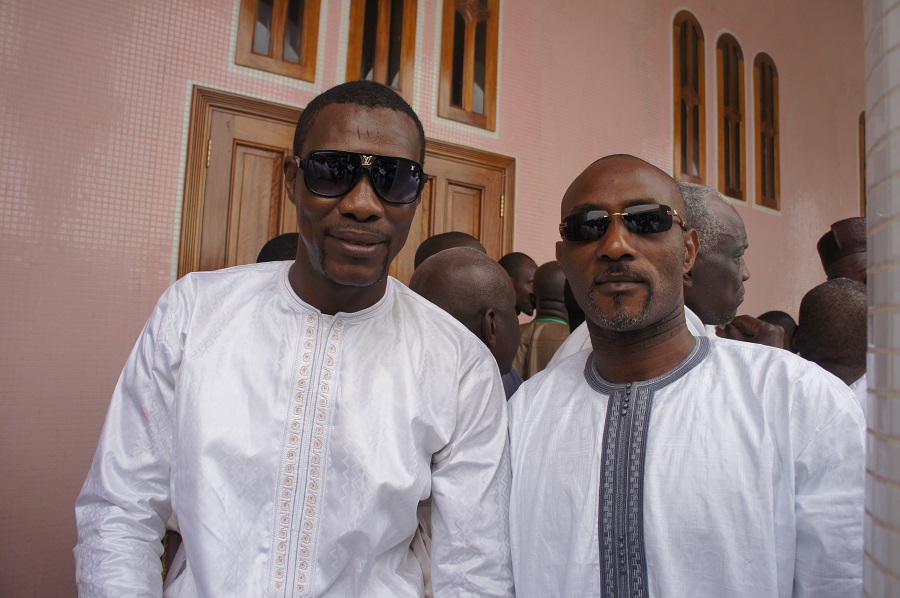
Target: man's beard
620, 321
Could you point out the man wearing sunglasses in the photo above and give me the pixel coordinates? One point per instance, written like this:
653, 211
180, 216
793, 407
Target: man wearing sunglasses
663, 464
292, 415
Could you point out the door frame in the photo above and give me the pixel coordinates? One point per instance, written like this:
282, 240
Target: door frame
205, 100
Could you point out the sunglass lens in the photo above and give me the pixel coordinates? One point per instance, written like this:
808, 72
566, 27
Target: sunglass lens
644, 220
586, 226
331, 173
396, 180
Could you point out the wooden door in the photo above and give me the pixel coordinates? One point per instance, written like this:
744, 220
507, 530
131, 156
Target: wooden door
468, 191
235, 199
245, 203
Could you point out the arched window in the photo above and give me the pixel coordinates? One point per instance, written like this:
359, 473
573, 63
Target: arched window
730, 71
279, 36
765, 79
690, 113
382, 43
468, 82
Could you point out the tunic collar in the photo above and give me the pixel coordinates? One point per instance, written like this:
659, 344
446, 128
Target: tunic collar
598, 383
364, 314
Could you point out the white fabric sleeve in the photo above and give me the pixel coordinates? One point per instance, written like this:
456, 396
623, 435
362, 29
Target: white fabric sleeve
124, 504
829, 478
470, 490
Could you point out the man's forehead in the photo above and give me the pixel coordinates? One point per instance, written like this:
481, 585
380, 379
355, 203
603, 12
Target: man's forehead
619, 185
362, 125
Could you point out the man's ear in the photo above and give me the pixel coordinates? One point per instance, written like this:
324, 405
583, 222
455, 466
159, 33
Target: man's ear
489, 328
691, 248
291, 169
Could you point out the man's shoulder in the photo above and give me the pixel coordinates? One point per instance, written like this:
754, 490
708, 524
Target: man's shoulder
236, 277
759, 368
420, 316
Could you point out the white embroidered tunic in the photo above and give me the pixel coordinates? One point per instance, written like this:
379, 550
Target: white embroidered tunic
294, 447
738, 473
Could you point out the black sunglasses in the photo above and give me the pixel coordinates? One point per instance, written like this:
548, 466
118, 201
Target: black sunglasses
332, 173
644, 219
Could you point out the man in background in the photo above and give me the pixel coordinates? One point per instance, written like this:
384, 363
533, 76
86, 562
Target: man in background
542, 336
832, 332
521, 269
442, 241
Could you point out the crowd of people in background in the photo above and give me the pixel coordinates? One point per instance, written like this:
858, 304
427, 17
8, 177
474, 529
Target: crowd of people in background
309, 426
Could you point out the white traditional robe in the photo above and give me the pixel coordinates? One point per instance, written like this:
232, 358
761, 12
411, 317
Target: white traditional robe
744, 479
294, 447
860, 390
580, 339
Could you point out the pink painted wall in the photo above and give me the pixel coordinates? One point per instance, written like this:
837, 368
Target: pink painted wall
93, 117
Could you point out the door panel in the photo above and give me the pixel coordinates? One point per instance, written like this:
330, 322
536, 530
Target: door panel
255, 208
245, 203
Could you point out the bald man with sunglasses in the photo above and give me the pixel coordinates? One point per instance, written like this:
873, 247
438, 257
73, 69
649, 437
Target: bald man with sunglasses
658, 463
292, 415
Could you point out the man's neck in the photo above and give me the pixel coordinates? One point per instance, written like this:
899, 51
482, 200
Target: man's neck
623, 357
330, 297
847, 374
551, 309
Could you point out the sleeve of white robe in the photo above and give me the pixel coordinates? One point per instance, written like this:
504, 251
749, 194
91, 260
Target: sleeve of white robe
124, 503
470, 490
829, 477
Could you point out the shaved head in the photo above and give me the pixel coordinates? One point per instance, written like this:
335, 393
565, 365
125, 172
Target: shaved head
610, 170
549, 283
475, 290
442, 241
832, 330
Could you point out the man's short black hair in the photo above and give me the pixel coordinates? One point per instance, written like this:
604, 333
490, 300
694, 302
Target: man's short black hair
280, 248
361, 93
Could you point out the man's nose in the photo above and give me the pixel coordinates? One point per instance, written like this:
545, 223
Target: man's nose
361, 202
617, 242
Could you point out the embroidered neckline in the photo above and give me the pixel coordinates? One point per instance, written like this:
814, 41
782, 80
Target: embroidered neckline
694, 358
364, 314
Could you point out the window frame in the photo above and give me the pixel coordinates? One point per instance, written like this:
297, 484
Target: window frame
275, 63
727, 115
773, 202
679, 95
382, 44
464, 114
